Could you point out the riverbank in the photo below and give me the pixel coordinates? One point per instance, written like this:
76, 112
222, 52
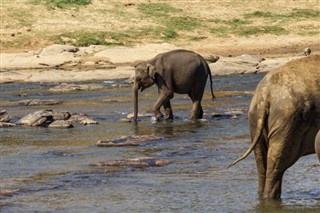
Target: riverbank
66, 63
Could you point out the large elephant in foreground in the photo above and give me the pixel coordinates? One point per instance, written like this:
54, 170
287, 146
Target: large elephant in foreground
317, 144
177, 71
284, 118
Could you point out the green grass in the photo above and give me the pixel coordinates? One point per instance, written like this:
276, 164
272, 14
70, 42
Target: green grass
170, 20
243, 28
157, 9
84, 39
257, 30
61, 3
295, 13
185, 23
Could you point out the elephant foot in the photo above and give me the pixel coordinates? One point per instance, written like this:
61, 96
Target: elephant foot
168, 117
158, 116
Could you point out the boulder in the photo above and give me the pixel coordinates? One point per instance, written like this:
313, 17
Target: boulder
56, 49
236, 65
38, 118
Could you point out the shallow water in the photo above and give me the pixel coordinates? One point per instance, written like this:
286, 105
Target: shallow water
51, 167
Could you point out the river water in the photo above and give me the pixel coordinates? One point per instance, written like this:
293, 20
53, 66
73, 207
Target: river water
51, 171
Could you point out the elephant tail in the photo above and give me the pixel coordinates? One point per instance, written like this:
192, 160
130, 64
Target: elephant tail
209, 72
210, 77
261, 118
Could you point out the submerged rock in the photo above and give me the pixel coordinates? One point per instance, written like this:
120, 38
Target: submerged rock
140, 115
82, 119
133, 140
64, 87
134, 162
60, 124
232, 113
34, 102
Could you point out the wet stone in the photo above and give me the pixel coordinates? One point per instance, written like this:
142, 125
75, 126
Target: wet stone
60, 124
48, 118
133, 140
61, 115
64, 87
233, 114
82, 119
4, 118
38, 118
140, 115
35, 102
7, 124
142, 162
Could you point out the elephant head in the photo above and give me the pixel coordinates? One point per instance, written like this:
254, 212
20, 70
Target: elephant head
144, 78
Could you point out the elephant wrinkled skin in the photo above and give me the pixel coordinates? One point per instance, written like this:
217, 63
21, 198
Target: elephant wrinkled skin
177, 71
317, 144
284, 118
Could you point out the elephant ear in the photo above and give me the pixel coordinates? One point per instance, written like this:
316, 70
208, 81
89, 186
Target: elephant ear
151, 71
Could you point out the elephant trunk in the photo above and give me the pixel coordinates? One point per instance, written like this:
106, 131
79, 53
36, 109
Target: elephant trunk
135, 94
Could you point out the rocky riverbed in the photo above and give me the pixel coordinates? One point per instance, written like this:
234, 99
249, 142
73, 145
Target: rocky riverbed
65, 63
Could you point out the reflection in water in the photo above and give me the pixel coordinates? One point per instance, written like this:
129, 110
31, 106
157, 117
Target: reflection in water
51, 167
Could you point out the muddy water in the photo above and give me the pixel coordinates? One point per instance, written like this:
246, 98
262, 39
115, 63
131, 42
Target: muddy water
51, 169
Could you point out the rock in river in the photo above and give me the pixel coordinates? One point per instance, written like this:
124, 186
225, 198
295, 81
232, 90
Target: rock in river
60, 124
48, 118
4, 117
142, 162
82, 119
38, 118
133, 140
34, 102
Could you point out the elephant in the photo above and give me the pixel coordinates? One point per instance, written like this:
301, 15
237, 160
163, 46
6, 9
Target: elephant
178, 71
317, 144
284, 118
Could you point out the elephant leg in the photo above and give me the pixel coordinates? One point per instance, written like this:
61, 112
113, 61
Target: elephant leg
168, 110
260, 153
163, 100
196, 97
284, 151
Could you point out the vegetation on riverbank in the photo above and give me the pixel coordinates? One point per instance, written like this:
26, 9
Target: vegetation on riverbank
30, 24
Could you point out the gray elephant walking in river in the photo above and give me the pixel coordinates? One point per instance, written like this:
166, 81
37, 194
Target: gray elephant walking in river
177, 71
284, 118
317, 144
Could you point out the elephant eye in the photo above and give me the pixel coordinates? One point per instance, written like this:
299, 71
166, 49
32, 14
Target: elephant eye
138, 78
